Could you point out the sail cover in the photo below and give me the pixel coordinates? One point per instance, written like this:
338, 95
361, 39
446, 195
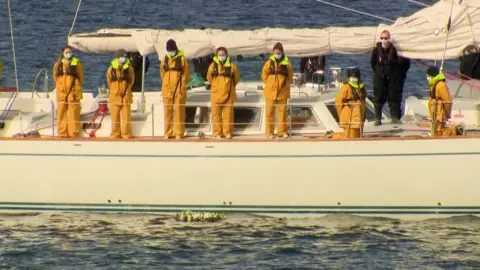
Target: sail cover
419, 36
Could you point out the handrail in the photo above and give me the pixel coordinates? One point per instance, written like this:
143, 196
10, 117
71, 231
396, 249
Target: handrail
300, 93
45, 86
297, 121
53, 112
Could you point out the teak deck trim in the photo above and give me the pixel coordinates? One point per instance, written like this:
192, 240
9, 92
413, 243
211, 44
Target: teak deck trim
234, 139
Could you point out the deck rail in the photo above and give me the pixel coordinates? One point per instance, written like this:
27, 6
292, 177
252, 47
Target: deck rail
45, 83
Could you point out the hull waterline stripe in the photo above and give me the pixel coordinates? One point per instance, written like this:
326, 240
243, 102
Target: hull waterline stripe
243, 211
205, 206
242, 156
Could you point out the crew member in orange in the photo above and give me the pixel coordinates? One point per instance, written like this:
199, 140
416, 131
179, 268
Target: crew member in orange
68, 78
350, 105
277, 75
223, 76
440, 96
120, 79
175, 76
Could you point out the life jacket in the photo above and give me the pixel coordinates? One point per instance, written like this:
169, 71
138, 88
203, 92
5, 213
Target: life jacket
433, 84
356, 88
124, 75
178, 62
71, 70
282, 69
227, 68
433, 92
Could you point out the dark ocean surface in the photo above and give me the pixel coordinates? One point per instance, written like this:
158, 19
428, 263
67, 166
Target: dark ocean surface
116, 241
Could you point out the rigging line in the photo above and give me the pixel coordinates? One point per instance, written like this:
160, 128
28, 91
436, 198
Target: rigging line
419, 3
75, 18
449, 24
353, 10
13, 44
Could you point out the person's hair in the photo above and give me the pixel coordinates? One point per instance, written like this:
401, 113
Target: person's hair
66, 47
385, 32
223, 49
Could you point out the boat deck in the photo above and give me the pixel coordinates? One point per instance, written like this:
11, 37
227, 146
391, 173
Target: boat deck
238, 139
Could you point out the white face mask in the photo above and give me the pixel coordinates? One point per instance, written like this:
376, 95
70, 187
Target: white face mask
67, 55
429, 78
278, 56
353, 80
385, 43
222, 58
122, 60
172, 53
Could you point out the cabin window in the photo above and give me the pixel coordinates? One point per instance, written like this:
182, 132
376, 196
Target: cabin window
333, 111
303, 117
246, 118
369, 113
197, 117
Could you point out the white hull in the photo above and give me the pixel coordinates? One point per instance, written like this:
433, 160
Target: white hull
379, 177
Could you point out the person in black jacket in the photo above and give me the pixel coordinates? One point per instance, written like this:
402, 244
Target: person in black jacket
308, 66
137, 63
387, 78
201, 64
469, 63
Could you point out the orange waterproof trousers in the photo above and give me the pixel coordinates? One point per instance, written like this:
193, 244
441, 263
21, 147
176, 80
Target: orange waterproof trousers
68, 119
121, 121
280, 106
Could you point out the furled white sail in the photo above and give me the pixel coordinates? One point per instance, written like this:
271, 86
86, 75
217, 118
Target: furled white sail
419, 36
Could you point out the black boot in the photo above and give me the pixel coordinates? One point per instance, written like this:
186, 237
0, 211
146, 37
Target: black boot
378, 115
395, 113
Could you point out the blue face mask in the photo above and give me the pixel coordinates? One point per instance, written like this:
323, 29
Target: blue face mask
222, 58
278, 56
122, 60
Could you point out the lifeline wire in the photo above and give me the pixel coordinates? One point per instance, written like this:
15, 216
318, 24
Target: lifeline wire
419, 3
353, 10
75, 18
13, 44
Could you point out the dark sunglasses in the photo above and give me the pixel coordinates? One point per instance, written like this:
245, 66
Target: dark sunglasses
384, 38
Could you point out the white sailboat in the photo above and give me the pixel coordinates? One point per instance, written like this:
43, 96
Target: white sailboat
395, 170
